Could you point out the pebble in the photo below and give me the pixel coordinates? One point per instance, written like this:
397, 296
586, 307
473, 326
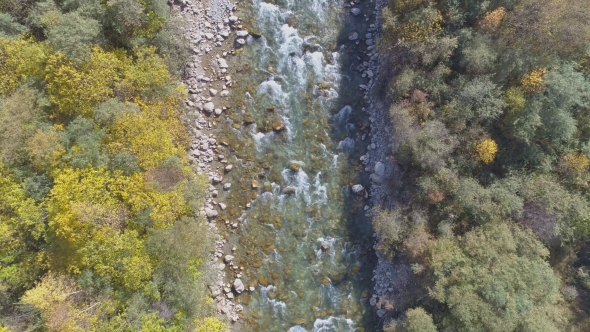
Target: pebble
358, 189
213, 92
355, 11
222, 63
353, 36
227, 186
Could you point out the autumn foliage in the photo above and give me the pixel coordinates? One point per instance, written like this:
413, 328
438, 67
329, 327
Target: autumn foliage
486, 150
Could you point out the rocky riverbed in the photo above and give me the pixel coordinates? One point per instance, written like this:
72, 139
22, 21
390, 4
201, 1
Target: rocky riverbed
217, 36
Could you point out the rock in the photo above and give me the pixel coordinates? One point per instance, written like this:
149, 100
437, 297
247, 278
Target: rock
208, 107
355, 11
278, 126
213, 92
239, 286
381, 312
369, 42
289, 191
230, 295
240, 42
254, 184
227, 186
325, 246
228, 258
242, 33
211, 213
370, 73
233, 19
376, 178
380, 169
353, 36
218, 111
369, 35
224, 93
222, 206
229, 168
222, 63
294, 167
209, 36
373, 301
358, 189
224, 33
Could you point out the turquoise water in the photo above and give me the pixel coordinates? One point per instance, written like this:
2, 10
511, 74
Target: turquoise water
296, 134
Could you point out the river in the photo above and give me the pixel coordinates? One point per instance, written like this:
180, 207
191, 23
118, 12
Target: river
296, 136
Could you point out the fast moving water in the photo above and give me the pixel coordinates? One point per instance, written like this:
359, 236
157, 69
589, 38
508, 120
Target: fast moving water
302, 237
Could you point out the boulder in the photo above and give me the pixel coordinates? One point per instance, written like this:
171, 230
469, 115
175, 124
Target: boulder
222, 63
228, 258
242, 33
358, 189
211, 213
209, 107
239, 286
380, 169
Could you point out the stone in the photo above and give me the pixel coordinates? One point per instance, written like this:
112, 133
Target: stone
239, 286
233, 19
227, 186
229, 168
230, 295
369, 36
289, 191
325, 246
278, 126
380, 169
381, 312
209, 107
218, 111
370, 73
222, 206
228, 258
224, 33
369, 42
254, 184
353, 36
213, 92
358, 189
224, 93
373, 301
209, 36
211, 213
240, 41
242, 33
294, 167
355, 11
222, 63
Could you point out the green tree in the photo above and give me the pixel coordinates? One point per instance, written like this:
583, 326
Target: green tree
418, 320
496, 278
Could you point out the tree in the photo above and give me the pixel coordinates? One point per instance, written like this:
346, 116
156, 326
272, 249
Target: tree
211, 324
496, 278
22, 232
486, 150
418, 320
19, 59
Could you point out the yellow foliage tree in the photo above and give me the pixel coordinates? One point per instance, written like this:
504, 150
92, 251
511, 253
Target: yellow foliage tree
19, 59
120, 256
76, 90
21, 226
146, 75
486, 150
211, 324
533, 82
145, 136
574, 163
491, 20
44, 148
419, 30
55, 296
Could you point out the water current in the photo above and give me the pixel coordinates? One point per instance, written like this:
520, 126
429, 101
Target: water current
296, 136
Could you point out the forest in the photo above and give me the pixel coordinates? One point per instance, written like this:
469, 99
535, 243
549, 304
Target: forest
490, 110
99, 225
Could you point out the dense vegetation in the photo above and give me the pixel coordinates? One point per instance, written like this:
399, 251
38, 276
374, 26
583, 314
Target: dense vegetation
99, 229
490, 110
